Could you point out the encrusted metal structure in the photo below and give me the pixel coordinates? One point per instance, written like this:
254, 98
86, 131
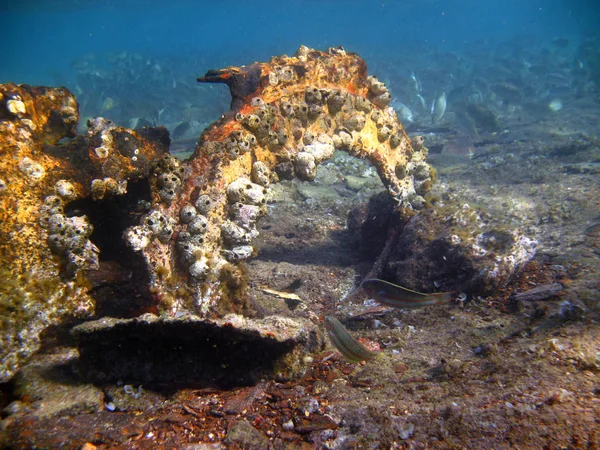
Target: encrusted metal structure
288, 116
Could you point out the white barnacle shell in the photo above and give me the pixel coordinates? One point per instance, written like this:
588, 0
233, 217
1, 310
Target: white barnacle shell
137, 237
375, 86
78, 226
257, 101
33, 170
320, 151
16, 106
187, 213
302, 53
420, 170
261, 173
305, 166
204, 204
199, 268
382, 100
56, 223
239, 253
198, 225
245, 191
65, 189
233, 233
102, 152
286, 74
273, 79
246, 215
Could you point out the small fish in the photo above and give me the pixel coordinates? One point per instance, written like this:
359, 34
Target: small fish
180, 130
422, 100
416, 82
390, 294
352, 350
466, 124
403, 111
108, 104
438, 108
483, 117
555, 105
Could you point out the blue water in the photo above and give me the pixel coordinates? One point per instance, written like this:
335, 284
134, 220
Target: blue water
136, 62
40, 39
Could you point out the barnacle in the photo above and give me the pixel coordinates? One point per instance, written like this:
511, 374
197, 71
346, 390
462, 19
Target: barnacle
245, 191
312, 95
199, 268
204, 204
48, 238
65, 189
261, 173
31, 169
187, 213
239, 253
233, 233
395, 140
16, 106
336, 101
198, 225
305, 166
383, 133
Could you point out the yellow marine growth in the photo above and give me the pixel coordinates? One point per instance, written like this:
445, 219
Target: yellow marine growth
288, 116
45, 249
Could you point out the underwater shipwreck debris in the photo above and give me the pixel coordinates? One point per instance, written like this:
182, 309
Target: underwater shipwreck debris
454, 245
46, 244
541, 292
184, 228
293, 111
242, 81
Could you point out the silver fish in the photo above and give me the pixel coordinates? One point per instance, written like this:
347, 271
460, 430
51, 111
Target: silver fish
416, 82
180, 130
438, 108
422, 100
403, 111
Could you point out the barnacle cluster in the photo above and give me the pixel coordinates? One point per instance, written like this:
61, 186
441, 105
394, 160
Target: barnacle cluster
46, 244
168, 173
153, 225
288, 116
247, 203
68, 237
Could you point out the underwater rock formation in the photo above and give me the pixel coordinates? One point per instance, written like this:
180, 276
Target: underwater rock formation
288, 116
45, 245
